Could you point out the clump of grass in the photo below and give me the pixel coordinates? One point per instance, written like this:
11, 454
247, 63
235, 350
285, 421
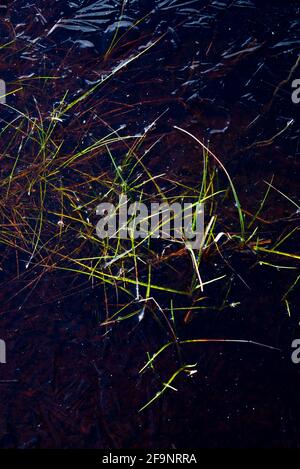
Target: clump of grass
61, 158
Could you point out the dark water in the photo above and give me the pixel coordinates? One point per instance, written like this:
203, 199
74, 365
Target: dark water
224, 72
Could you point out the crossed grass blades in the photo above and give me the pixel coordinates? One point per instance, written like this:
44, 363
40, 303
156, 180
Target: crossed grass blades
62, 158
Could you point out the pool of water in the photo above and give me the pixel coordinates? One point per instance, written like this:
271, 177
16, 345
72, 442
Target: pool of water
223, 71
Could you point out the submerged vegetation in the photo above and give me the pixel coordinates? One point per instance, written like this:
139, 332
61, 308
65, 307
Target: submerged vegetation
81, 126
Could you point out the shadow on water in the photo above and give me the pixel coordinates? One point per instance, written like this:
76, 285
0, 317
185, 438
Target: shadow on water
223, 71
